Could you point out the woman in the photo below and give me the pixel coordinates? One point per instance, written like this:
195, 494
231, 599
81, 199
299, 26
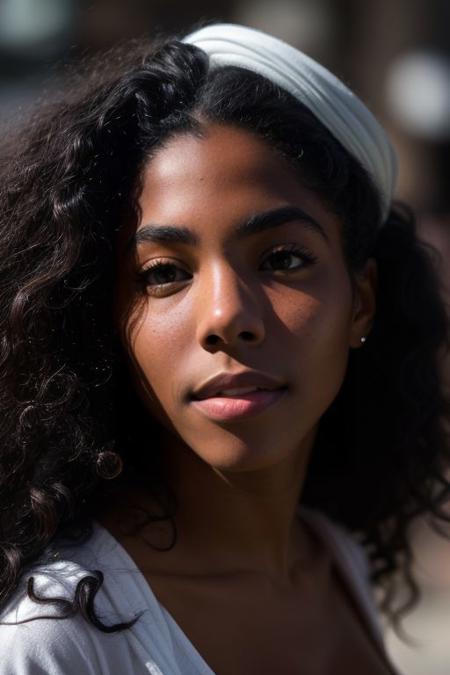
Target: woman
219, 347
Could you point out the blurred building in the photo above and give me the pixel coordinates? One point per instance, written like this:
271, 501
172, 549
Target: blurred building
396, 54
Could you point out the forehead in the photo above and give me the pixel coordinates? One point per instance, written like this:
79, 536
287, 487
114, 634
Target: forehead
225, 174
211, 156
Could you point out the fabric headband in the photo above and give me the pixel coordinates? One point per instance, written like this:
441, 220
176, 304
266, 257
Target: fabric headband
343, 113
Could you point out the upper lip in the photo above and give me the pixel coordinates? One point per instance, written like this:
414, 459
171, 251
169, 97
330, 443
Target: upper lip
248, 378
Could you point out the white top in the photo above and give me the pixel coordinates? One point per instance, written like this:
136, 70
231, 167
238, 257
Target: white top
155, 644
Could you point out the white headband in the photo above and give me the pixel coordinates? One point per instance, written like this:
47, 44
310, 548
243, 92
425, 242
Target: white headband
343, 113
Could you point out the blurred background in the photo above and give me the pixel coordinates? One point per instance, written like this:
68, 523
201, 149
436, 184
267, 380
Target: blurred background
394, 53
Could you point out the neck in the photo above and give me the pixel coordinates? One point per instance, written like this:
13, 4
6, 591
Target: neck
246, 520
226, 521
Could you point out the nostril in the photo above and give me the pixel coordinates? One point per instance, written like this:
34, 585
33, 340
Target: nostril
212, 339
246, 335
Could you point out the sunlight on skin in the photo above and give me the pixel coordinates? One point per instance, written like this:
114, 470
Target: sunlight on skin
229, 305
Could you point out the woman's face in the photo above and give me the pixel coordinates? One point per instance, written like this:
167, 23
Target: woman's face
237, 268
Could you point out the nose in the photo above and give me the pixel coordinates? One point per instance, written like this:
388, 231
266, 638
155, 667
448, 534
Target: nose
229, 311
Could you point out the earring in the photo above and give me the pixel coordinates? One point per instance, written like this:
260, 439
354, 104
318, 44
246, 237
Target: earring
363, 339
109, 464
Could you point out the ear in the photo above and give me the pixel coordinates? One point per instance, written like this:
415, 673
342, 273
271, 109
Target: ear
364, 302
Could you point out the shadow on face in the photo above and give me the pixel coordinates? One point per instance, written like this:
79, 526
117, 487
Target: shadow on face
235, 267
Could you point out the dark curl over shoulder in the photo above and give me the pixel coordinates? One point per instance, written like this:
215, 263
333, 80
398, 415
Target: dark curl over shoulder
68, 180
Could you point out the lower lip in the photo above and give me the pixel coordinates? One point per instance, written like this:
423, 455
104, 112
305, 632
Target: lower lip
223, 408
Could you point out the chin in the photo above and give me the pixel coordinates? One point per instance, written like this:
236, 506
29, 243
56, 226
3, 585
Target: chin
237, 458
246, 447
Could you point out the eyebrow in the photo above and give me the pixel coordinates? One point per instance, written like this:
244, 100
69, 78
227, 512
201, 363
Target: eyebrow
259, 222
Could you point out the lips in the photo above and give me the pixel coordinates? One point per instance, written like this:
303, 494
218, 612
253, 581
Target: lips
235, 385
239, 407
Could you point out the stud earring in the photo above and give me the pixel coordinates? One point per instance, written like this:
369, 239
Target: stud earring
363, 339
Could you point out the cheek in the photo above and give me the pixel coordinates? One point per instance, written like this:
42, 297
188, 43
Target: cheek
321, 309
158, 348
314, 330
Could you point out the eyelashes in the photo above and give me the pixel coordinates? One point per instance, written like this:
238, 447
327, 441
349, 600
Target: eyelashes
161, 273
282, 253
162, 276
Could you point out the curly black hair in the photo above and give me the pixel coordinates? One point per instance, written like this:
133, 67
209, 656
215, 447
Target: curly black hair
69, 179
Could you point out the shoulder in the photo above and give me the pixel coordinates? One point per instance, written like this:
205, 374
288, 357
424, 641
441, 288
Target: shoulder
35, 641
351, 560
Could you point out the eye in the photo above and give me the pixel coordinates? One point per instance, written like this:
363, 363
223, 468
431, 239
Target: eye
288, 258
159, 277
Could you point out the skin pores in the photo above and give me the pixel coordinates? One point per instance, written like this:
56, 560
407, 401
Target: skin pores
278, 301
